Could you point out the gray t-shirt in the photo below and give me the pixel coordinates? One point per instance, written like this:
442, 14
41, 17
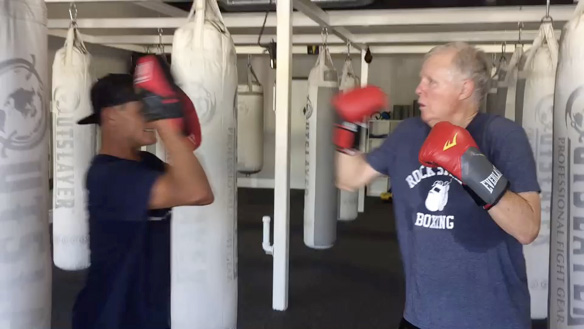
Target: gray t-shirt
462, 270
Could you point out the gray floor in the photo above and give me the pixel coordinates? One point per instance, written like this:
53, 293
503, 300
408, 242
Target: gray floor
357, 284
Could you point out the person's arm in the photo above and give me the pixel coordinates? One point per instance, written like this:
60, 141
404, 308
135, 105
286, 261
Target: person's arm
519, 214
185, 182
356, 171
353, 171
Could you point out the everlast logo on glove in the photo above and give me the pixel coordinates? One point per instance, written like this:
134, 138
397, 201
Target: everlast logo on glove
490, 183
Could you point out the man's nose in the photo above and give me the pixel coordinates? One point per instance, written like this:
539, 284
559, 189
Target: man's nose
419, 89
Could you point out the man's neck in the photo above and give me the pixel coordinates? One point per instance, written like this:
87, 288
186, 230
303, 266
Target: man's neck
119, 150
465, 116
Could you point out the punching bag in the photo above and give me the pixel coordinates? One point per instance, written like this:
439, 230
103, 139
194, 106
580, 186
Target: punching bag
537, 120
73, 149
495, 103
25, 254
320, 193
566, 293
491, 99
348, 203
508, 88
204, 239
250, 124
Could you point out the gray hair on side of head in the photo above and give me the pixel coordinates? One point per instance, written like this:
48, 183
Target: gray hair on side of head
471, 62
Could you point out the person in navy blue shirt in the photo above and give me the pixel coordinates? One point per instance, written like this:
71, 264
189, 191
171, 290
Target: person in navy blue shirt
464, 265
130, 194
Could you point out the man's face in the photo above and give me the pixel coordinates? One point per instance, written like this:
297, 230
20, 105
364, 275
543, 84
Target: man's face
440, 88
132, 124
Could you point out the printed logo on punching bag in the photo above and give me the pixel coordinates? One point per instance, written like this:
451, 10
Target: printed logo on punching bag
67, 100
568, 216
23, 184
21, 106
204, 101
307, 113
542, 140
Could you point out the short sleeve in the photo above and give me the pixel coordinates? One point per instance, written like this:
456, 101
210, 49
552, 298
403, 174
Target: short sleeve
383, 157
513, 156
125, 188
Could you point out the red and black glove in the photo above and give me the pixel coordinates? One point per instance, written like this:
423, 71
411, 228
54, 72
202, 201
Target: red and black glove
163, 99
453, 148
352, 108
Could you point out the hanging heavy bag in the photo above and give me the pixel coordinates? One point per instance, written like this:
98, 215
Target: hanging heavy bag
348, 201
74, 150
25, 252
566, 308
250, 124
539, 70
204, 239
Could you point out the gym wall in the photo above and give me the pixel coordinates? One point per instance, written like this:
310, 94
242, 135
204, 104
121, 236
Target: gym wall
395, 74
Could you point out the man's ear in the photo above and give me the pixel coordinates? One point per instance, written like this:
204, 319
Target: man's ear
109, 115
467, 90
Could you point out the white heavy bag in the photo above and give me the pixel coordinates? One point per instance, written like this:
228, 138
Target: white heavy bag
537, 120
73, 149
320, 194
491, 99
204, 240
250, 124
566, 293
508, 87
348, 200
501, 95
25, 253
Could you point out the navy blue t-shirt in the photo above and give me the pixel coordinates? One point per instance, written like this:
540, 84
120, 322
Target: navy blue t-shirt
128, 282
461, 269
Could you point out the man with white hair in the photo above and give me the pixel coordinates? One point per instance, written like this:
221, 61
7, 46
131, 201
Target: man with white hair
462, 246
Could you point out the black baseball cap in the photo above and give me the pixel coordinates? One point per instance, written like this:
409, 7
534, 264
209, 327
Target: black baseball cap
111, 90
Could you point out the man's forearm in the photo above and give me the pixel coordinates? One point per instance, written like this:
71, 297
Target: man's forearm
186, 169
353, 171
518, 215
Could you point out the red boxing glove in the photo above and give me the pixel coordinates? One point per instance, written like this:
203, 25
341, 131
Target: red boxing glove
191, 125
353, 107
358, 103
453, 148
156, 86
164, 100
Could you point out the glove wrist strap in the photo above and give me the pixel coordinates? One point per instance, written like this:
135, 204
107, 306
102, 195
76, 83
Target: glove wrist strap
347, 137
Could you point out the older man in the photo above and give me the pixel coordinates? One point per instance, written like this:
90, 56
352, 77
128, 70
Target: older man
466, 197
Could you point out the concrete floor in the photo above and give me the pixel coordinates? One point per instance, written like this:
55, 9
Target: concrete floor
356, 284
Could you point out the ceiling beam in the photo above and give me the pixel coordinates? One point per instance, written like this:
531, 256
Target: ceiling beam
349, 18
321, 18
162, 8
91, 39
371, 39
297, 50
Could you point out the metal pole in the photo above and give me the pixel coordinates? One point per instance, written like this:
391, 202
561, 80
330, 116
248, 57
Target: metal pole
282, 156
363, 137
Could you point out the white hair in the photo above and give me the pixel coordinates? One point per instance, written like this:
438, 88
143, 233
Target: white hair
471, 62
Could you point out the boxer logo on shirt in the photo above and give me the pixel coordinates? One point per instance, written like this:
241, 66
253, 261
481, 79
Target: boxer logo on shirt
436, 198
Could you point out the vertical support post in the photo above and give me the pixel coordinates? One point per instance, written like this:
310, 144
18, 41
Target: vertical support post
282, 160
364, 132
